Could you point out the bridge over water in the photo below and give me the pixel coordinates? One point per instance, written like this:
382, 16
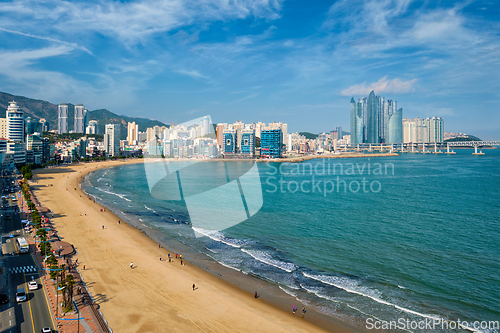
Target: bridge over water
429, 147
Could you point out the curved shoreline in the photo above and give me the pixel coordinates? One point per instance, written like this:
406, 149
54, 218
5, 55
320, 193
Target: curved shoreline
267, 313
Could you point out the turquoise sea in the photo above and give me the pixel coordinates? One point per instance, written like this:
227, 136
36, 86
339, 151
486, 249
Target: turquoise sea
412, 239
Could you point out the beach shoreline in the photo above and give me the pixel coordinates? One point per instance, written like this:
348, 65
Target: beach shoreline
227, 296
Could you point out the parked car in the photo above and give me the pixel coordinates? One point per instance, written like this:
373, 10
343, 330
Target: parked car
4, 299
46, 330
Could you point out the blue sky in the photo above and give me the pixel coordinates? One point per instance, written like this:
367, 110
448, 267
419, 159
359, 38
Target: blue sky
299, 62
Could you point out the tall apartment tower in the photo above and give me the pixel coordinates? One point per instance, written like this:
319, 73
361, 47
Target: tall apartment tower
80, 122
62, 118
132, 133
371, 120
15, 133
112, 139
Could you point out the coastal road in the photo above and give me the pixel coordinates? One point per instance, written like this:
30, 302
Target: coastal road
32, 315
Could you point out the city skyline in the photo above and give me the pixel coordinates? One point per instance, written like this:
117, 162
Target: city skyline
274, 61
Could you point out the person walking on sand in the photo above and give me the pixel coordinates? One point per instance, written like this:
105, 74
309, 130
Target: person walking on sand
131, 265
181, 262
194, 286
160, 258
303, 311
83, 267
103, 227
294, 309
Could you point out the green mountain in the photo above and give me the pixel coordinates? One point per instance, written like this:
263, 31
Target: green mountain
460, 139
104, 117
38, 109
34, 108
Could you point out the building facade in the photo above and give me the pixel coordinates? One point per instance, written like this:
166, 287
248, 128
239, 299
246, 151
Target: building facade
132, 133
112, 139
230, 142
371, 120
248, 142
271, 143
15, 133
62, 118
426, 130
3, 128
80, 122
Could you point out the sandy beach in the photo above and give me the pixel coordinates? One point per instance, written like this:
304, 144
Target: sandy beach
154, 296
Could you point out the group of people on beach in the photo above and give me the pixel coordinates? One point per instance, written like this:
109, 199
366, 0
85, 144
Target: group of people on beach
294, 309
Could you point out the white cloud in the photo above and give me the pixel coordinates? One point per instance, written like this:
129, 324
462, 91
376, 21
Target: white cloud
193, 73
395, 86
73, 45
132, 21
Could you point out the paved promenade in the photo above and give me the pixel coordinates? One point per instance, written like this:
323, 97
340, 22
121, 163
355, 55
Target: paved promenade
91, 320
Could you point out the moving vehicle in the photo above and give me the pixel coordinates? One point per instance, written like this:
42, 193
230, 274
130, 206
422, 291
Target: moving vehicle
20, 295
22, 245
46, 330
32, 285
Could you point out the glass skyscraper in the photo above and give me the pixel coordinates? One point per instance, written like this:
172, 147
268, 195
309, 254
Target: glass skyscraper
376, 120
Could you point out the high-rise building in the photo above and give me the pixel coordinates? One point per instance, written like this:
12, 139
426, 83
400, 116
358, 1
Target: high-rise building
248, 142
420, 130
62, 118
395, 127
44, 125
132, 133
435, 129
32, 126
45, 150
230, 141
271, 143
92, 127
34, 145
80, 119
220, 134
112, 139
370, 120
3, 128
356, 122
3, 145
372, 123
15, 133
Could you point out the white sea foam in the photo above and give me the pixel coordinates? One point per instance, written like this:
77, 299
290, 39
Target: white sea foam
223, 264
289, 292
211, 250
268, 259
219, 237
149, 209
352, 287
113, 193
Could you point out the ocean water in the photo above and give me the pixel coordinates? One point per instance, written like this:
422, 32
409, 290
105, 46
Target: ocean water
408, 239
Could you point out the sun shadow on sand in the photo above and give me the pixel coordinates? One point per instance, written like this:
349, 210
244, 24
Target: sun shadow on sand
101, 298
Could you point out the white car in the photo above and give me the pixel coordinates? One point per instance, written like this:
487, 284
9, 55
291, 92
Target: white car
20, 295
46, 330
32, 285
